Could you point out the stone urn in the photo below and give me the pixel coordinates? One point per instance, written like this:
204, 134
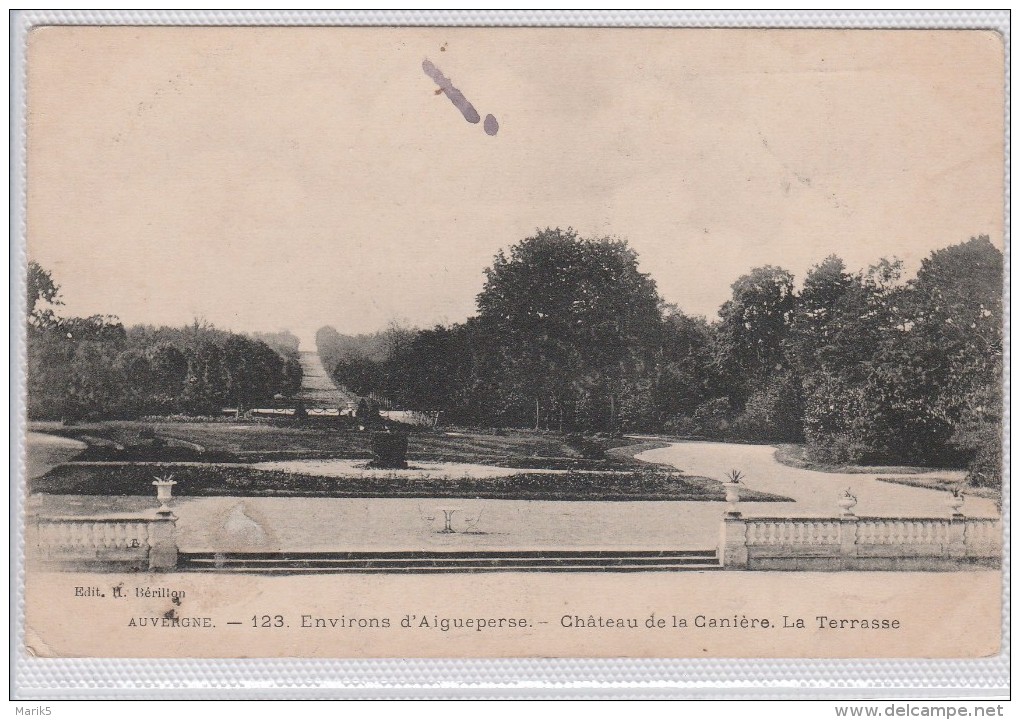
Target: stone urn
164, 491
954, 501
732, 489
847, 501
732, 496
731, 486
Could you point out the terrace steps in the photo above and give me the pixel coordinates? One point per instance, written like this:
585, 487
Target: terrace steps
283, 563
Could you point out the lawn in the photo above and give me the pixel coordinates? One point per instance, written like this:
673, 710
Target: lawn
322, 438
212, 457
947, 484
796, 456
922, 477
203, 480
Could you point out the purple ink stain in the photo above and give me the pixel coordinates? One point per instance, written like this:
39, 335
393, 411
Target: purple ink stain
491, 125
455, 95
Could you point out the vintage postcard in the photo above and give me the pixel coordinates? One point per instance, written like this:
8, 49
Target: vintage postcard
351, 342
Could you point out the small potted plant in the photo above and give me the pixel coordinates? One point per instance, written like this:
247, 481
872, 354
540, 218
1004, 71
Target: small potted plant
955, 499
732, 488
164, 488
846, 502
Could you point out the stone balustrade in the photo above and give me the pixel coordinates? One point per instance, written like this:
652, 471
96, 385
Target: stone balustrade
859, 543
143, 541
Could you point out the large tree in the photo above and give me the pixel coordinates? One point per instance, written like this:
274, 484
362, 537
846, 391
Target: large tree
938, 370
573, 318
839, 323
838, 320
752, 329
684, 374
43, 295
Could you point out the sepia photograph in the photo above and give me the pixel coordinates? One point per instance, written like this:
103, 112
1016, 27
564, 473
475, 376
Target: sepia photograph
513, 342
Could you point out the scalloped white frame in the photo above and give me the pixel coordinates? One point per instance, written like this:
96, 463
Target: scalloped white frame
520, 678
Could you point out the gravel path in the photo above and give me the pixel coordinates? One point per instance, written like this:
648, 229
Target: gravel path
317, 387
45, 451
815, 492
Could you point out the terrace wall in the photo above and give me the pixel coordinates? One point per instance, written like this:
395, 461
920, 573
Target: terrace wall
139, 542
859, 543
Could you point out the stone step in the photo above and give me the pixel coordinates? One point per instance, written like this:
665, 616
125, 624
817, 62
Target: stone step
289, 570
479, 561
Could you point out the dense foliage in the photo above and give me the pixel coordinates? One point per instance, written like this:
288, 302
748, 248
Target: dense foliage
862, 366
94, 367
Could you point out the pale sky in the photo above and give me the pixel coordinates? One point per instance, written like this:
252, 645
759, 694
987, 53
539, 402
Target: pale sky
291, 178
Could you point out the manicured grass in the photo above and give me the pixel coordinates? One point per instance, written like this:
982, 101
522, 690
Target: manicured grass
628, 449
937, 483
210, 458
197, 479
796, 456
323, 438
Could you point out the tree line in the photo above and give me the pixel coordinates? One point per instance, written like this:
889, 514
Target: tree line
95, 367
862, 366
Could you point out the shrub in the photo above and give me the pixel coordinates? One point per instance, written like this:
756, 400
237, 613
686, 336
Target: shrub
714, 417
837, 448
389, 449
984, 442
839, 421
681, 426
588, 448
368, 410
774, 412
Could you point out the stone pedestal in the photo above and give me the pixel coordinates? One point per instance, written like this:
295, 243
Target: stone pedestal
848, 542
733, 543
956, 547
163, 542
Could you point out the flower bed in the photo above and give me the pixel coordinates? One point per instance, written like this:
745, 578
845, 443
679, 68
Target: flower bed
196, 479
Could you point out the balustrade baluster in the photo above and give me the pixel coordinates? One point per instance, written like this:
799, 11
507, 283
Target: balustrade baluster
870, 532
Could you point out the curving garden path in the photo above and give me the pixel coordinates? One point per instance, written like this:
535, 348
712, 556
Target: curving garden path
814, 492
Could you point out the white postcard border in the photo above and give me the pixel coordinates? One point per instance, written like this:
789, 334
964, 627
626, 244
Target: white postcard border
94, 678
